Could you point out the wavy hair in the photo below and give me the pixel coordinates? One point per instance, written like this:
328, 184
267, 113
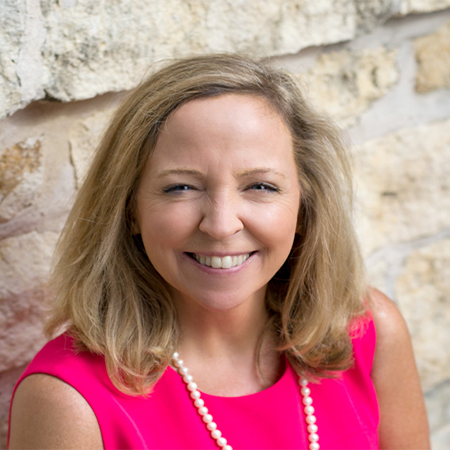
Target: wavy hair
116, 304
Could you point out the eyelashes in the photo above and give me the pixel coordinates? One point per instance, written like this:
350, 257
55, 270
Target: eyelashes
180, 188
264, 187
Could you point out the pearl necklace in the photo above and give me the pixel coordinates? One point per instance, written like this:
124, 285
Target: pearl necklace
211, 426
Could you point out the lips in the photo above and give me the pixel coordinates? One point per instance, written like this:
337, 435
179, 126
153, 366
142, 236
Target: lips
224, 262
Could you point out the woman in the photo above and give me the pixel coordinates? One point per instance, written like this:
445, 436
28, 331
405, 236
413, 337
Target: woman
214, 224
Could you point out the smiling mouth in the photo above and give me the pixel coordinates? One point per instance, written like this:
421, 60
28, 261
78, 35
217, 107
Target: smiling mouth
226, 262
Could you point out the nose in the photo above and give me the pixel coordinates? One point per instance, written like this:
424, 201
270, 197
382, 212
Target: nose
221, 217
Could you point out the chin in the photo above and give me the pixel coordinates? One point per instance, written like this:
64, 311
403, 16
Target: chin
220, 304
216, 302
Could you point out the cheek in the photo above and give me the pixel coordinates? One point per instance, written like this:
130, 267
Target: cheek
160, 234
165, 227
275, 227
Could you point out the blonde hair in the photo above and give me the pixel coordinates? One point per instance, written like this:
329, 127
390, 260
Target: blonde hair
116, 304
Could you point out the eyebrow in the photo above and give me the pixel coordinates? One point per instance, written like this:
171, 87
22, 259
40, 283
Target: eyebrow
182, 171
246, 173
243, 174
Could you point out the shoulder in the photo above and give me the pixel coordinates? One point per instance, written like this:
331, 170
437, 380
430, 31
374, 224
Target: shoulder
403, 421
393, 343
48, 413
390, 326
65, 361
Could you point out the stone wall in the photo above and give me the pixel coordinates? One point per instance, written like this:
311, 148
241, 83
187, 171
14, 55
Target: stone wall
381, 68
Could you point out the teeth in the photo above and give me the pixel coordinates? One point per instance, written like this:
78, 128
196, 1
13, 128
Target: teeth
216, 262
222, 263
226, 262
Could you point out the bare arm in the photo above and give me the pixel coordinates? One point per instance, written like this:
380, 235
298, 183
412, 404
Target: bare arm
49, 414
403, 420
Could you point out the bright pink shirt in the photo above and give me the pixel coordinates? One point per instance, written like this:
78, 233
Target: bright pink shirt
346, 408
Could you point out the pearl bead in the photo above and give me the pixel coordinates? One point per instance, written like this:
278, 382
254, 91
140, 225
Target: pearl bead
195, 395
192, 386
305, 391
199, 403
207, 418
216, 434
188, 378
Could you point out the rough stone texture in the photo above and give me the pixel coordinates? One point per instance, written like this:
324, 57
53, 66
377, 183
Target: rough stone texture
422, 6
433, 60
20, 177
54, 124
84, 136
440, 440
7, 382
376, 273
24, 266
71, 49
403, 185
345, 83
437, 401
423, 295
76, 49
3, 428
12, 26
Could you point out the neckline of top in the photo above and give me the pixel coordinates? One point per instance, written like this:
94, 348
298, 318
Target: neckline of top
282, 380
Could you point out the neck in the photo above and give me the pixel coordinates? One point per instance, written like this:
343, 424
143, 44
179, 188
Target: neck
212, 333
220, 348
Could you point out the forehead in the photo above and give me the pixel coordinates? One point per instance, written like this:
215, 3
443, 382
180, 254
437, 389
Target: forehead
231, 121
222, 137
225, 109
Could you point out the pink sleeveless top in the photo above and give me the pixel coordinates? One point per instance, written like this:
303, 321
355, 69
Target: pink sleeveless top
346, 408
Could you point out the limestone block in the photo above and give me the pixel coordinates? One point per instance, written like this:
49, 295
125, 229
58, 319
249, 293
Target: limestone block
433, 60
423, 295
345, 83
20, 177
437, 402
440, 439
77, 49
402, 185
84, 136
422, 6
7, 382
376, 274
3, 431
24, 266
12, 28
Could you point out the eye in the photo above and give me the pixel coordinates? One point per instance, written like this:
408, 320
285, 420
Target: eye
177, 188
264, 187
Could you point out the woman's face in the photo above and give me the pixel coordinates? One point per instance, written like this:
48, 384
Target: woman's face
218, 200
